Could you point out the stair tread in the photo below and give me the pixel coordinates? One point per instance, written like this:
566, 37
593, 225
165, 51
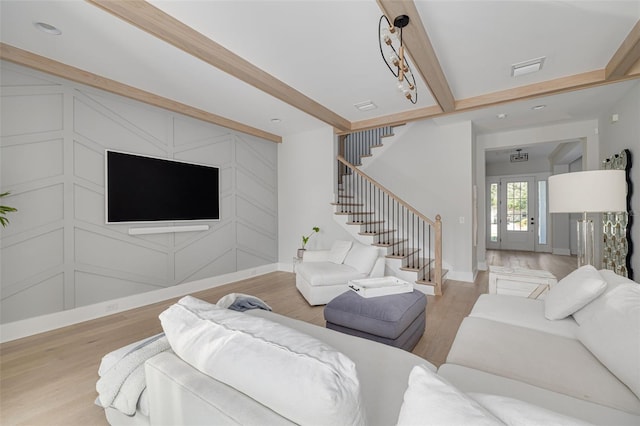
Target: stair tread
405, 253
429, 282
422, 264
378, 232
389, 243
352, 213
346, 204
366, 223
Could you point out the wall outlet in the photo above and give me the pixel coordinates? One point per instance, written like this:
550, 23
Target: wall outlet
461, 219
111, 307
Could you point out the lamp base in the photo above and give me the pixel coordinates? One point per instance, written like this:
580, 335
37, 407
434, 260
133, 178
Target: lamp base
586, 242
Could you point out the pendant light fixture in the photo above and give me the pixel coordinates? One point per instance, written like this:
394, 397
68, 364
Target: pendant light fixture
392, 51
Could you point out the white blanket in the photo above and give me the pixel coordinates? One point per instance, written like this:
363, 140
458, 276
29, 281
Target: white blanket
120, 387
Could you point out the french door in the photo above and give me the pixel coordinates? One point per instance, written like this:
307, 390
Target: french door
517, 208
514, 206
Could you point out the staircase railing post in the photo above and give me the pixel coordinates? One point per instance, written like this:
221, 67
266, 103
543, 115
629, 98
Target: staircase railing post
438, 255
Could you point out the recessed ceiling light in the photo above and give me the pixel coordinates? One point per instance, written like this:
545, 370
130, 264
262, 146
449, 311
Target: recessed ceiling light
365, 106
538, 107
527, 67
47, 28
276, 120
501, 116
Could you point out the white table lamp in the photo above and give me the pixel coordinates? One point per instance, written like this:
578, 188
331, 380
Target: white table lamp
594, 191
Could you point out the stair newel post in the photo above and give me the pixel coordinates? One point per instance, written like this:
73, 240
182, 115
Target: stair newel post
416, 233
339, 170
438, 255
429, 251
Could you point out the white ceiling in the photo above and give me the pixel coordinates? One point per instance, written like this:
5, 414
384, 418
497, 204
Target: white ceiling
328, 50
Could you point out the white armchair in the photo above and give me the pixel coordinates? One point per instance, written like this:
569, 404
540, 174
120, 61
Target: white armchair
324, 274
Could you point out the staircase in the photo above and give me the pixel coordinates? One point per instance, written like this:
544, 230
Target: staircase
374, 215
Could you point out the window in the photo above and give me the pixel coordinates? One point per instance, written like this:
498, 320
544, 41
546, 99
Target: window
542, 212
494, 212
517, 206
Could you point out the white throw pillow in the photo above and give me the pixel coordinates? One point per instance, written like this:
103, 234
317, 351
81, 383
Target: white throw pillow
293, 374
519, 413
613, 280
361, 257
339, 251
431, 400
573, 292
613, 334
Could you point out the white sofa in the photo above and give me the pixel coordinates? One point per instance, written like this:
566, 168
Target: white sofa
585, 365
324, 274
508, 365
180, 394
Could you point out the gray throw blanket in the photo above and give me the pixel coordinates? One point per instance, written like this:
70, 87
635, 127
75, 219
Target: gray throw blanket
242, 302
120, 387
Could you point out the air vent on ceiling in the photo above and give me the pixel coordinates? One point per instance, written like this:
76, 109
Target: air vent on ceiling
527, 67
365, 106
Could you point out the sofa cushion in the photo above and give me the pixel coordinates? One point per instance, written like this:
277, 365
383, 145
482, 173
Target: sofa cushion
339, 250
523, 312
612, 334
297, 376
430, 399
573, 292
540, 359
327, 273
383, 370
519, 413
361, 257
472, 380
613, 280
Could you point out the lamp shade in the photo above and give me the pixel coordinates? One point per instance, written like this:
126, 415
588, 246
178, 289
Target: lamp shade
589, 191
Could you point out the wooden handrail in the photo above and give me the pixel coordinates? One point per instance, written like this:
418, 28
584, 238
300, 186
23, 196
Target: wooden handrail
381, 187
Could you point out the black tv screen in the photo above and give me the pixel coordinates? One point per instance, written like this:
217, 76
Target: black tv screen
150, 189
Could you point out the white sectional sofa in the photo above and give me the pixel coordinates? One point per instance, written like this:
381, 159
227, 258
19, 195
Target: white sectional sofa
585, 365
324, 274
508, 365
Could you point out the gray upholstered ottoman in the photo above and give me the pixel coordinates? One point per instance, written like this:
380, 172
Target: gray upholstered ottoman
397, 320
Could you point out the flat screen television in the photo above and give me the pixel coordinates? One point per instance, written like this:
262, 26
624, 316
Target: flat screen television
140, 188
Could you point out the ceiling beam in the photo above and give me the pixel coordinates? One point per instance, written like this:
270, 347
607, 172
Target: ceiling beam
543, 88
40, 63
546, 88
416, 41
165, 27
626, 56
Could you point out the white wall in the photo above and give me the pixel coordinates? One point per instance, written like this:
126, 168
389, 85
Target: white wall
57, 254
306, 164
431, 168
583, 130
504, 168
625, 134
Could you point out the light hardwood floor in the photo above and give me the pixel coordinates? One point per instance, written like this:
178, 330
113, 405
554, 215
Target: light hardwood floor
49, 379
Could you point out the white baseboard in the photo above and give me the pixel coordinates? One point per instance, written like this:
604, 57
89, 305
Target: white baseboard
468, 277
30, 326
562, 252
482, 266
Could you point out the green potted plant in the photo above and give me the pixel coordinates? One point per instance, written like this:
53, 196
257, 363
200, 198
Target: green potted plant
4, 210
305, 240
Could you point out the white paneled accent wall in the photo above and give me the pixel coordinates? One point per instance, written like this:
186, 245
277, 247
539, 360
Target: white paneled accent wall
57, 252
